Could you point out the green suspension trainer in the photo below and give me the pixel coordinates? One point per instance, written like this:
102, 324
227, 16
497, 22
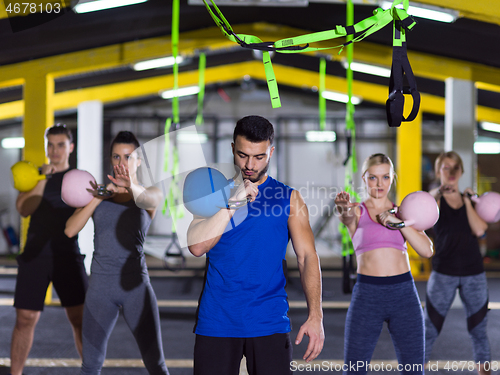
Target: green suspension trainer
401, 22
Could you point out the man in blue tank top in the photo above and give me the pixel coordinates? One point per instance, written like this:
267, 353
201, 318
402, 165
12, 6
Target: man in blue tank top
49, 255
243, 308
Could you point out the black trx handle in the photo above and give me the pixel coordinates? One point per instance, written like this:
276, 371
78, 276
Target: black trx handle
400, 68
348, 138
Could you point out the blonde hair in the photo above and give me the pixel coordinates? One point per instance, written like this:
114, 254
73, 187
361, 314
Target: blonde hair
450, 155
377, 159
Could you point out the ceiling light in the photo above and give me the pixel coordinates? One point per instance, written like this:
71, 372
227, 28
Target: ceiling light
192, 137
343, 98
157, 63
13, 142
428, 11
321, 136
368, 69
490, 126
487, 147
184, 91
93, 6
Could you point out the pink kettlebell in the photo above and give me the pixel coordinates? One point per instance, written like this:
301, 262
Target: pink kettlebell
74, 188
418, 210
487, 206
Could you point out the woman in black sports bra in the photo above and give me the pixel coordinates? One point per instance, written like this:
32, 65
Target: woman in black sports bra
458, 263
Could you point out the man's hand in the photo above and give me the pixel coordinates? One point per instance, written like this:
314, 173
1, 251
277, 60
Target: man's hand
47, 169
246, 190
314, 329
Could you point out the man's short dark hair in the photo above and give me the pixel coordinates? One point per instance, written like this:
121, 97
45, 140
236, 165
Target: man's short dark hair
254, 128
59, 129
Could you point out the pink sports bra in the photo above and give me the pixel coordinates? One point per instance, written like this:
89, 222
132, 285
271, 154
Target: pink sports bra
371, 235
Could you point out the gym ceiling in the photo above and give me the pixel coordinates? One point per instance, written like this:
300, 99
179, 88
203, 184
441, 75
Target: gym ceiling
90, 55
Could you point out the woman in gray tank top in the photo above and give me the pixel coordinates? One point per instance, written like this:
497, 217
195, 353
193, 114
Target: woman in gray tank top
119, 277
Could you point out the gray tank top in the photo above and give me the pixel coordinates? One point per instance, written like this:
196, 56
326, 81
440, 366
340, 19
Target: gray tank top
119, 233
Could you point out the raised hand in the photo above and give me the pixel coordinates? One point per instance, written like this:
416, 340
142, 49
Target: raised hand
122, 176
343, 203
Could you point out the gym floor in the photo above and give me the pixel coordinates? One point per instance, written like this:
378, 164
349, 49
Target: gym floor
177, 292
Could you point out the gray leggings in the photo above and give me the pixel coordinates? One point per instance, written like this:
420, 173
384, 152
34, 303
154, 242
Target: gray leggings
473, 292
106, 295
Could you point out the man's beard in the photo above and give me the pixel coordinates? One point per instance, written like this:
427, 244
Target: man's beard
258, 177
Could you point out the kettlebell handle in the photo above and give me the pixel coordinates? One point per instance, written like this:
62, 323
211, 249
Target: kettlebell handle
47, 176
476, 195
235, 204
400, 225
396, 225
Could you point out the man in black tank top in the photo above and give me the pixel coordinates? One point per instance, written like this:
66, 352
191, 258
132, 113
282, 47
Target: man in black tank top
49, 255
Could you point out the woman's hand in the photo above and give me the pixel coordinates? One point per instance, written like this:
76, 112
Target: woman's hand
387, 217
468, 193
122, 177
347, 212
343, 204
446, 189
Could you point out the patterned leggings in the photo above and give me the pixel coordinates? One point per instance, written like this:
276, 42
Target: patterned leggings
473, 290
376, 300
105, 297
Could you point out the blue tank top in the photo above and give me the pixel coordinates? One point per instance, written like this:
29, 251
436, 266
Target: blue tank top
244, 292
119, 233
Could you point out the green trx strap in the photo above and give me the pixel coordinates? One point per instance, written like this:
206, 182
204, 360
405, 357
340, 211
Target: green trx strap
173, 196
173, 199
166, 156
347, 248
201, 84
175, 50
366, 27
322, 100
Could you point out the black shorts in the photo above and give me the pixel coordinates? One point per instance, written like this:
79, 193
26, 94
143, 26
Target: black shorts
222, 355
67, 274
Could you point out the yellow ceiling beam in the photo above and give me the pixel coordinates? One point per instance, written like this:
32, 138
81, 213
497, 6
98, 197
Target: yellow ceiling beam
12, 110
229, 73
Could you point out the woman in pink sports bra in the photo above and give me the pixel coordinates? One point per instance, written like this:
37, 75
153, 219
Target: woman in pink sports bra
384, 291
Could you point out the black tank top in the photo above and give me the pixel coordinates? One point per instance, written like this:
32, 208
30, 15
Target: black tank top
46, 236
456, 247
